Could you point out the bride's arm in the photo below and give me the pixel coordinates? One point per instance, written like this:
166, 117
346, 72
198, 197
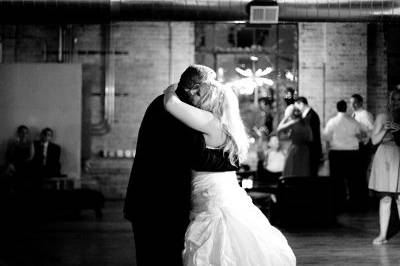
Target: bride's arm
193, 117
285, 123
379, 130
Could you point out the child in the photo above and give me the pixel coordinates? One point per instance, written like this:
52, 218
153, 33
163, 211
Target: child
274, 161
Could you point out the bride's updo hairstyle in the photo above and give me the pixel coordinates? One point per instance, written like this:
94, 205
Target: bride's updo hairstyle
223, 103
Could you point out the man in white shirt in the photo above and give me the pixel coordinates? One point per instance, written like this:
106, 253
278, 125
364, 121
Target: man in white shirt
342, 134
362, 116
366, 121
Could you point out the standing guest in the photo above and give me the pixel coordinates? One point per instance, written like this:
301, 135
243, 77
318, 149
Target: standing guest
341, 133
266, 112
312, 119
384, 177
366, 120
289, 100
46, 161
298, 156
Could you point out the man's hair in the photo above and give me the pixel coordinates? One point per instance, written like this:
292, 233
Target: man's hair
302, 100
21, 128
193, 76
45, 130
296, 113
341, 106
290, 90
357, 97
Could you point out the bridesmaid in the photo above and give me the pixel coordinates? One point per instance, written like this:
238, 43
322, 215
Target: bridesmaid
384, 177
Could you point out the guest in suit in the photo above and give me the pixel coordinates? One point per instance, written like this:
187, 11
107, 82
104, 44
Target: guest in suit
158, 198
312, 119
46, 160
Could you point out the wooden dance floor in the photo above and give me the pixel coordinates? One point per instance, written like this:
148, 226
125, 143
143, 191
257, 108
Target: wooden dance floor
108, 242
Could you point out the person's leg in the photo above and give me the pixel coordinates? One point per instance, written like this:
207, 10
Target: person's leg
352, 164
337, 180
365, 154
384, 215
398, 204
158, 243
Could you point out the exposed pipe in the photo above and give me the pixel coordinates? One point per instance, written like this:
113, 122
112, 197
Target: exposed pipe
102, 11
339, 10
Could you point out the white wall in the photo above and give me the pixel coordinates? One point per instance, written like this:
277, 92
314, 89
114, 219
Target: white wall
43, 95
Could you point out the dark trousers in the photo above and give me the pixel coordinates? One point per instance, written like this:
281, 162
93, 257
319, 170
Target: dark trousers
346, 176
158, 243
265, 176
315, 159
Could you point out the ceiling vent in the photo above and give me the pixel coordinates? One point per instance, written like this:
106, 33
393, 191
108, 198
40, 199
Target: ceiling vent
264, 14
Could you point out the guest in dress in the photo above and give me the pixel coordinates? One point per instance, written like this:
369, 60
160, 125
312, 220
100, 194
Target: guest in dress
384, 177
298, 155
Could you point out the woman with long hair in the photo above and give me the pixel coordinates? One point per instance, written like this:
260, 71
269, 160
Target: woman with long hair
226, 228
384, 177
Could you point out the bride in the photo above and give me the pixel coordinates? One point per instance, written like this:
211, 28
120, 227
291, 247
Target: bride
225, 228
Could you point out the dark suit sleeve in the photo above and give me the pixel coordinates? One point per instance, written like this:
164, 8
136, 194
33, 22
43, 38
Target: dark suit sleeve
213, 160
315, 125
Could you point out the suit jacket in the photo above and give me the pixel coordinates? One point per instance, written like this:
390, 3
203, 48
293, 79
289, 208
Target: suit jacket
160, 180
312, 119
52, 164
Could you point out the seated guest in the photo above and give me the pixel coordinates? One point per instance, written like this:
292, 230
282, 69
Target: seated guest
18, 157
273, 161
46, 161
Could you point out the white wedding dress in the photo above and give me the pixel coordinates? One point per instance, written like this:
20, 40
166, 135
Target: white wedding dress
228, 229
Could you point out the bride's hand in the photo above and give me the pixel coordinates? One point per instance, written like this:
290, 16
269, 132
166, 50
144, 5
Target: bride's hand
169, 93
395, 127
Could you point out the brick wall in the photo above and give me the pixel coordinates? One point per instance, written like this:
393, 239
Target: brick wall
377, 70
153, 55
332, 64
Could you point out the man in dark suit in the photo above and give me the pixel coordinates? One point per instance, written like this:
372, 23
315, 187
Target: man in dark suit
158, 196
312, 119
46, 160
